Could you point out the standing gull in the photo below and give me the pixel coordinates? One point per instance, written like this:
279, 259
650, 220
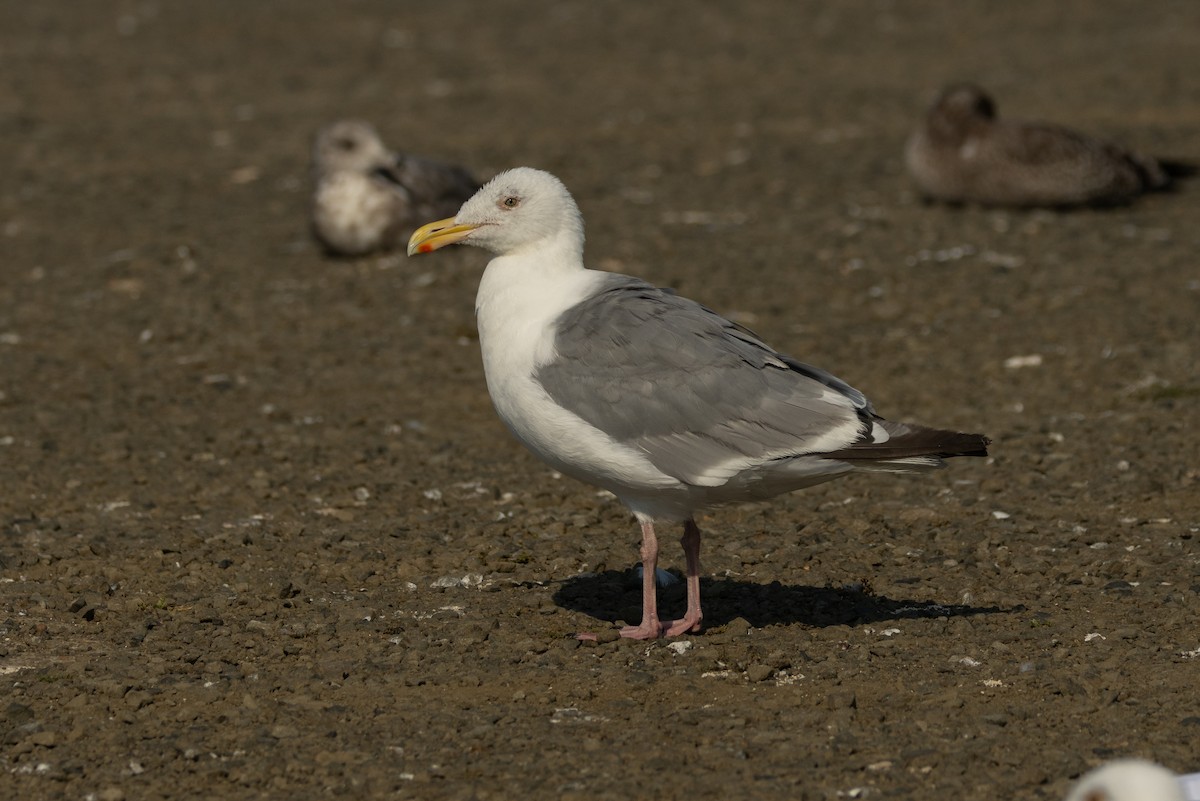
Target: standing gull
657, 399
962, 152
369, 198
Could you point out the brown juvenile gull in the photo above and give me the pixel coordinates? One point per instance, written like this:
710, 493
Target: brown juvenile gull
368, 198
963, 152
651, 396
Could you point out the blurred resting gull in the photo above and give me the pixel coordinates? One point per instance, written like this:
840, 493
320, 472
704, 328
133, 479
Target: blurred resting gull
657, 399
368, 198
963, 152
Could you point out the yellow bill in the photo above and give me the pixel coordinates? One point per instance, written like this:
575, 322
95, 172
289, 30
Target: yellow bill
438, 234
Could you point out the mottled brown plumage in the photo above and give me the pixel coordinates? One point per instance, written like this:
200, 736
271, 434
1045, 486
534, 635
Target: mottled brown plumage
368, 198
962, 151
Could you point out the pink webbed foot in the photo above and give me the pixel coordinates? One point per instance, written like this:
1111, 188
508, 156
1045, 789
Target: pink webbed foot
682, 626
656, 629
651, 628
643, 631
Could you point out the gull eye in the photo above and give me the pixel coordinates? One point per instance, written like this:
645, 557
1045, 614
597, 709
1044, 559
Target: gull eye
511, 202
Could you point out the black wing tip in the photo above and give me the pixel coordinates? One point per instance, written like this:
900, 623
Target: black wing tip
953, 443
978, 445
909, 441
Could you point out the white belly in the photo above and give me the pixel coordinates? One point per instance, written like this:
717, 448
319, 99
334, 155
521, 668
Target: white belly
353, 214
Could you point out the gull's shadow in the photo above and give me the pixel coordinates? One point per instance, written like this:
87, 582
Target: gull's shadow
616, 595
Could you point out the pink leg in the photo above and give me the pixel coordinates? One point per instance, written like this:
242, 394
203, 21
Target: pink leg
650, 627
691, 550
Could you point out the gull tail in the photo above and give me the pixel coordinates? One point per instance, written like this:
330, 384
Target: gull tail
905, 447
1174, 171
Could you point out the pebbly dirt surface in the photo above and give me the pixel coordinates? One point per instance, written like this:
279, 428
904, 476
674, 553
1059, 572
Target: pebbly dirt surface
263, 536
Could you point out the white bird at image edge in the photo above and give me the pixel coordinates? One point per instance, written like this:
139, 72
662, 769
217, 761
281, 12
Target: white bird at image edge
1135, 780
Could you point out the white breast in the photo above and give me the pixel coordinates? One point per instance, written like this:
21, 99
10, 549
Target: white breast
517, 307
351, 212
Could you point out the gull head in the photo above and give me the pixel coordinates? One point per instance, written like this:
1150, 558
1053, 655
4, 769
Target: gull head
518, 210
959, 108
350, 145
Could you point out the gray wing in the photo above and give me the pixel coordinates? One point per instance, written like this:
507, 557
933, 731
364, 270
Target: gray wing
437, 189
703, 397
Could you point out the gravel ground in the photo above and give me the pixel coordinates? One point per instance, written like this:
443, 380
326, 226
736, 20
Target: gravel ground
263, 535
